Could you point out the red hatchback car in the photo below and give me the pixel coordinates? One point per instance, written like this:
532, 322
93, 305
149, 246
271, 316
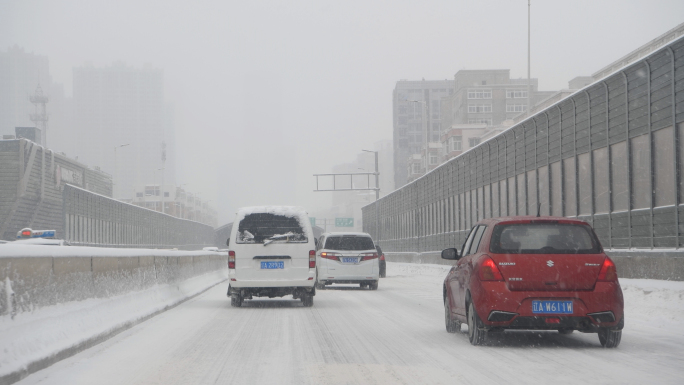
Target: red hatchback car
533, 273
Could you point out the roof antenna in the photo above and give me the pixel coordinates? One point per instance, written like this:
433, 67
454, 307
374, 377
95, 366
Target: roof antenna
538, 209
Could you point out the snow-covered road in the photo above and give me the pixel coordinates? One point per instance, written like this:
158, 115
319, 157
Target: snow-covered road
394, 335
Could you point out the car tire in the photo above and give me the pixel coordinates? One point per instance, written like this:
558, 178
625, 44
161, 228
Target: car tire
320, 286
236, 300
609, 338
373, 285
565, 331
307, 300
476, 335
383, 273
451, 326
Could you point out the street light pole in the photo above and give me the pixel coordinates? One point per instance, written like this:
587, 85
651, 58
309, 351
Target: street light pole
115, 167
529, 90
377, 195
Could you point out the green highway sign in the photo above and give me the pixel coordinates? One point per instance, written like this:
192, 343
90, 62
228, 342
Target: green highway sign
344, 222
313, 221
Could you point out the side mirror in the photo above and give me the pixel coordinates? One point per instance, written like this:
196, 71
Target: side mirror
228, 242
451, 254
316, 243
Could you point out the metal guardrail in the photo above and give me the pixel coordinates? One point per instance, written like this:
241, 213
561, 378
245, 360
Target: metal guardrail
611, 154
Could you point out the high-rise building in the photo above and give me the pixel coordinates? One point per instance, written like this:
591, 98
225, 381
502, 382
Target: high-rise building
20, 74
121, 120
488, 97
417, 120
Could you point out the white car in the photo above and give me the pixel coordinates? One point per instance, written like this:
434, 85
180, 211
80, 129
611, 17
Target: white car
271, 253
347, 258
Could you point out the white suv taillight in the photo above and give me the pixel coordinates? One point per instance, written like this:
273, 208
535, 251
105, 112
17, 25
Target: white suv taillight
368, 256
329, 255
312, 259
231, 259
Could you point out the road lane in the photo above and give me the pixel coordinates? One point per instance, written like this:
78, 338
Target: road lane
394, 335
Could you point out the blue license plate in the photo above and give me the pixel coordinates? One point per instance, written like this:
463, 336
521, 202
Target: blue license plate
273, 265
350, 260
552, 307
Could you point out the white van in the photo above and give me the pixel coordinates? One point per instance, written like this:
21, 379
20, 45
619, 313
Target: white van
271, 253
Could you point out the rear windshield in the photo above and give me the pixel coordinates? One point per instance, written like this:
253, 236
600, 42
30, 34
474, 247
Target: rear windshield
349, 242
265, 227
544, 238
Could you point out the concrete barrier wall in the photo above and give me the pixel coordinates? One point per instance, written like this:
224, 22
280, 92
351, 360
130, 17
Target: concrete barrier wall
37, 276
630, 264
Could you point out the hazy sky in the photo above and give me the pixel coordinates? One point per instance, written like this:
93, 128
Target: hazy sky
267, 93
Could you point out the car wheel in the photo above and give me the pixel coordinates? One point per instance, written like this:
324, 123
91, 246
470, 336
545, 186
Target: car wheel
383, 273
476, 335
307, 300
609, 338
320, 285
451, 326
373, 285
565, 331
236, 300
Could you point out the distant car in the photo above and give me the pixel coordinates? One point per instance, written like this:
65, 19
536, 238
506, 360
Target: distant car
381, 262
534, 273
26, 236
347, 258
40, 241
271, 253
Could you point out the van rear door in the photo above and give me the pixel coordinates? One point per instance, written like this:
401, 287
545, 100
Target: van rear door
272, 247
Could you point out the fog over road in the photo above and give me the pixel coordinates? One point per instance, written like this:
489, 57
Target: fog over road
394, 335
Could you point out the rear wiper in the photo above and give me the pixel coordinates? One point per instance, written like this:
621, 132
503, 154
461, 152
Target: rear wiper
279, 236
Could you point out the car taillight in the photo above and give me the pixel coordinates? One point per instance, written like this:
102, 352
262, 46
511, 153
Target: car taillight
231, 259
332, 256
608, 271
368, 256
312, 259
382, 257
489, 271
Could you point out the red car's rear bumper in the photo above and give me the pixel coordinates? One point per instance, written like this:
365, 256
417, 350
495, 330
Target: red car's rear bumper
498, 307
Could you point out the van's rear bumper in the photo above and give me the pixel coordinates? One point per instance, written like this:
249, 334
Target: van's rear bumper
245, 283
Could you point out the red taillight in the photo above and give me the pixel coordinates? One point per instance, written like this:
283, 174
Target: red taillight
26, 233
382, 257
489, 271
312, 259
231, 259
368, 256
332, 256
608, 271
553, 320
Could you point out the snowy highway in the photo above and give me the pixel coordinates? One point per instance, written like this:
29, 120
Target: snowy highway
394, 335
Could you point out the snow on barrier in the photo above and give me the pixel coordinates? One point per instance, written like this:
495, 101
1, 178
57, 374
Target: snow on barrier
56, 301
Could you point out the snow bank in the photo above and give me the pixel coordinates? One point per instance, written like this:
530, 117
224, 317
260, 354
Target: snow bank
56, 301
34, 340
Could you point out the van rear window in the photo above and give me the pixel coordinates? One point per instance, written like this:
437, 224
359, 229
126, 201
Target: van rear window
349, 242
266, 227
544, 238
